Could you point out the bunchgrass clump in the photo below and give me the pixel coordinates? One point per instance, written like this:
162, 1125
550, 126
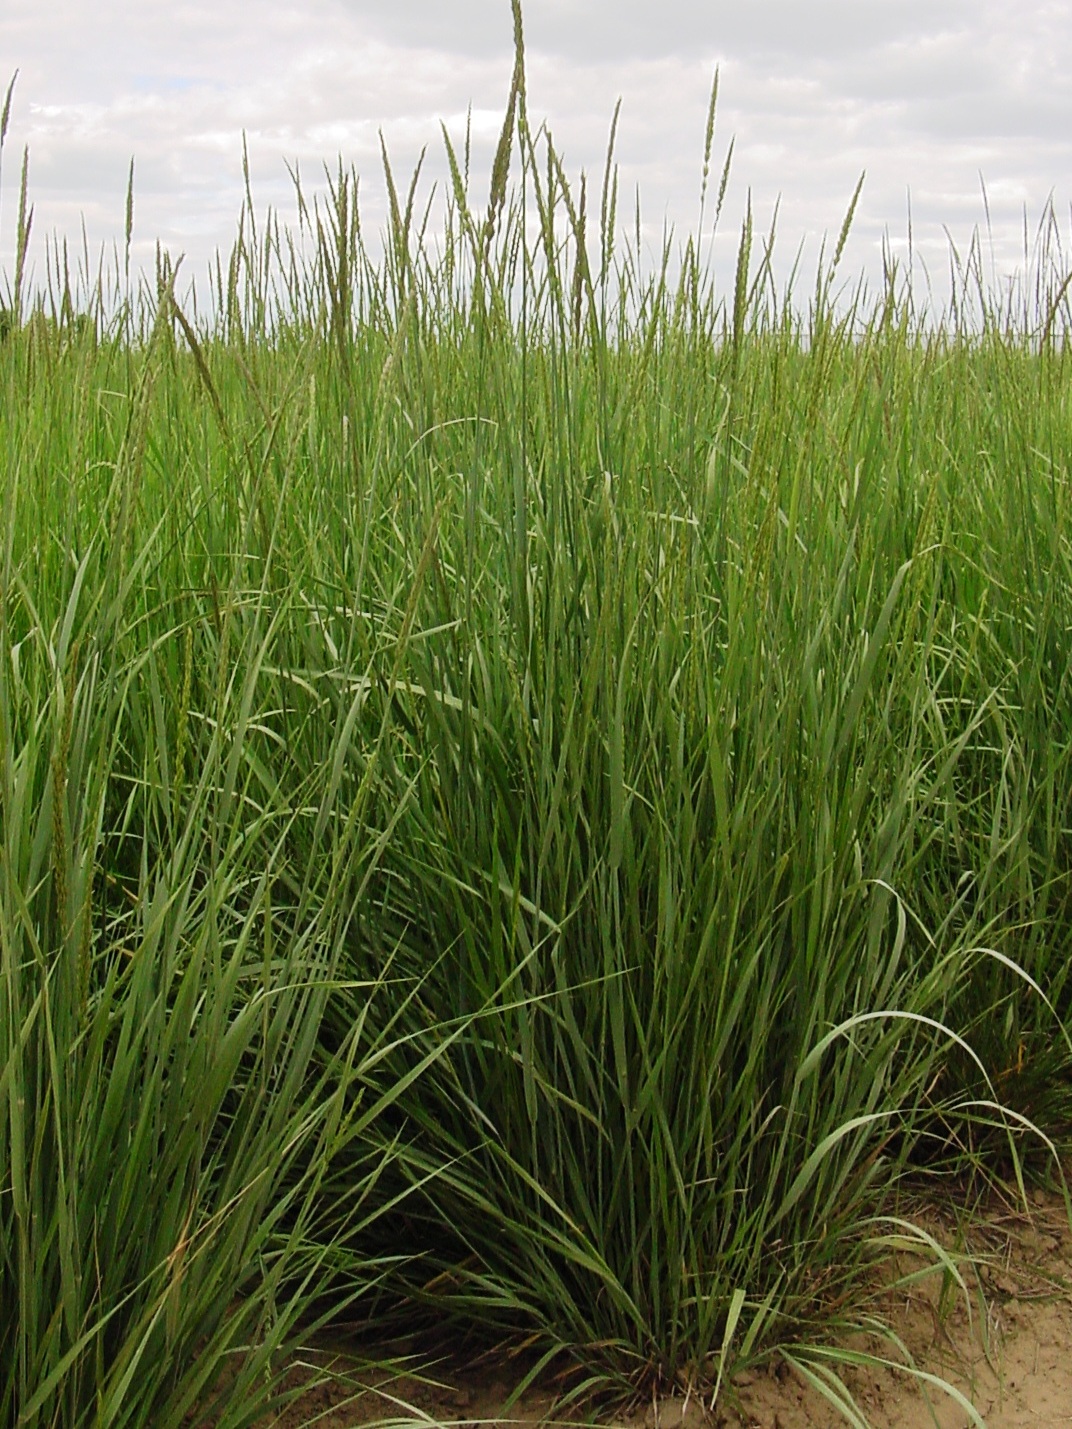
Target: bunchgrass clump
526, 783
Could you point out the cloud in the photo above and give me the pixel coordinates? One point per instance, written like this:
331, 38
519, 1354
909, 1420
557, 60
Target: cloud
611, 31
922, 94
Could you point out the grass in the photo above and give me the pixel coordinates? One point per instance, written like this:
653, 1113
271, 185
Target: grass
533, 793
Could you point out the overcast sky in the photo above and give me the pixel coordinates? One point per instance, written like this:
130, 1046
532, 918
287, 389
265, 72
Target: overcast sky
925, 95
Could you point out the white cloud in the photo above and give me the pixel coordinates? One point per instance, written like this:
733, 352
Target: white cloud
923, 94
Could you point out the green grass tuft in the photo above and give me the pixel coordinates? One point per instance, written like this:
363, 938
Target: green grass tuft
532, 791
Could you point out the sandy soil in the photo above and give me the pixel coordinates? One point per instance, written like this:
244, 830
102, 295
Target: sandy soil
1006, 1347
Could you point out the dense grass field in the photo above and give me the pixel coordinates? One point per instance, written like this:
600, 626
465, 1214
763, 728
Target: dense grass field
535, 796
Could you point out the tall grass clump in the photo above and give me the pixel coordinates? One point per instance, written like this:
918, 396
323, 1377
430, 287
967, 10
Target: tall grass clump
176, 898
528, 781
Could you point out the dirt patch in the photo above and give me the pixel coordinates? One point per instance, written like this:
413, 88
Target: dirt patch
1002, 1338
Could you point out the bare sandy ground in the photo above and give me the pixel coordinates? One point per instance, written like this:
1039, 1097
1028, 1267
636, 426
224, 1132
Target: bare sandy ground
1006, 1347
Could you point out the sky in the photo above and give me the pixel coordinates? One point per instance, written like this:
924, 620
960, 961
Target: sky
932, 100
